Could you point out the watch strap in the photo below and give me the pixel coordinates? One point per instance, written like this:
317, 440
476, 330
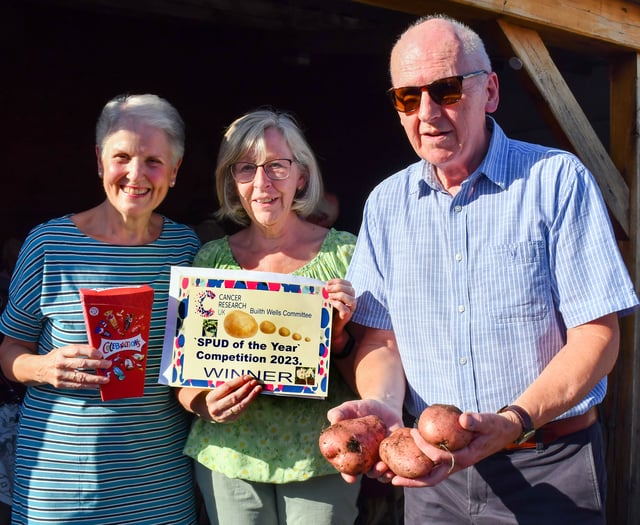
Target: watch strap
528, 430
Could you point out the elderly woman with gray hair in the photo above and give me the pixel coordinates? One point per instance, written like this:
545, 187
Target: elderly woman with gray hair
78, 459
257, 457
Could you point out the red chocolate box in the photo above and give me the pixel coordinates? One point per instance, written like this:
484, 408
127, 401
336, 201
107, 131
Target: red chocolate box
117, 322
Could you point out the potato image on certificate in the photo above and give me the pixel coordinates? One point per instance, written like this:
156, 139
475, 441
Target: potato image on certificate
240, 324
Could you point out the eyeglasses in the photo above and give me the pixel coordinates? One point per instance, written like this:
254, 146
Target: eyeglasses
276, 169
444, 91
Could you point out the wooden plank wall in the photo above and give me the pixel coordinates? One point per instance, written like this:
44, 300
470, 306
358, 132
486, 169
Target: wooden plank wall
623, 403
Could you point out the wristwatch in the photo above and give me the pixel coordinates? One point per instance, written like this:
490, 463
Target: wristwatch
528, 430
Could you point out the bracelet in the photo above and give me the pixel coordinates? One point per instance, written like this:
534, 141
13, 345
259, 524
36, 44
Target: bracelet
347, 349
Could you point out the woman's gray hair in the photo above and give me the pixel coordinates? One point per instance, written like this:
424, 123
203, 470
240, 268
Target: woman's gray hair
149, 109
246, 135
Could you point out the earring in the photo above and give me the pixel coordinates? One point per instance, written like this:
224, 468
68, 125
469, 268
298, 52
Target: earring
172, 183
100, 173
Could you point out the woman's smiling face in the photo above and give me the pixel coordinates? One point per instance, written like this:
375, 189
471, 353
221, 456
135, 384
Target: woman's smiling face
137, 168
268, 202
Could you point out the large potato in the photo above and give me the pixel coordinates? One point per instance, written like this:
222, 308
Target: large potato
351, 445
438, 425
401, 454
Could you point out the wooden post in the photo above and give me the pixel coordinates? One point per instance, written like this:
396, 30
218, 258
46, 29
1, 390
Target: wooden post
622, 407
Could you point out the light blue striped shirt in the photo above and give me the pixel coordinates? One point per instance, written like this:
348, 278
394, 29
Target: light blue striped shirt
480, 287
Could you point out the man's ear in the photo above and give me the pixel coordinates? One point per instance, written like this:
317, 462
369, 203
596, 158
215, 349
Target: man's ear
493, 93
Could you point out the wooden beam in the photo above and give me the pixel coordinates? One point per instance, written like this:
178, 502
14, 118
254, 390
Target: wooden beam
623, 399
613, 21
529, 48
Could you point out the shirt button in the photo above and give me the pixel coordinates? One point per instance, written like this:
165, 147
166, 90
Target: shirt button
458, 257
462, 361
461, 308
457, 208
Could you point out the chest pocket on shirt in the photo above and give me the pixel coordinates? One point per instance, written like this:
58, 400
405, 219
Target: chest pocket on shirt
517, 285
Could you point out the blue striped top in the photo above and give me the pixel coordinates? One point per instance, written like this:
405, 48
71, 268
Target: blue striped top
78, 459
480, 287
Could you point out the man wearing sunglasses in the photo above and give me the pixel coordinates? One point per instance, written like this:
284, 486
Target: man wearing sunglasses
488, 277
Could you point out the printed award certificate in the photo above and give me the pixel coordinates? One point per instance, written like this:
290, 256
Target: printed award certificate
225, 323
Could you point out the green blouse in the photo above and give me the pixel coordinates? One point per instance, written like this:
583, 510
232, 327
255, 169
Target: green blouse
275, 440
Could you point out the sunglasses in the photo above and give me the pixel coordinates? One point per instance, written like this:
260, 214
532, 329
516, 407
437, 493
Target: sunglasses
444, 91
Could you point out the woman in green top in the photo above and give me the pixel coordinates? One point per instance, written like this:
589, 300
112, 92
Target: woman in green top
257, 458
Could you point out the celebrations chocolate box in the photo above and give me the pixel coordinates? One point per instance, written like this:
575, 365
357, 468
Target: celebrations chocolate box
117, 322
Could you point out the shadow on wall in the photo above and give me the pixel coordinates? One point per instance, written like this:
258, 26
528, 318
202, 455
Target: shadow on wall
64, 64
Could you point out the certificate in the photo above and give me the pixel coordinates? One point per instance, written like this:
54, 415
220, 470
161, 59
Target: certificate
225, 323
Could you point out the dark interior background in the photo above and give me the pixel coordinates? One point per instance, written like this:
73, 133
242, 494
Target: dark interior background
325, 61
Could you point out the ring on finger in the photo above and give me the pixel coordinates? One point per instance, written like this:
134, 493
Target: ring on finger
453, 463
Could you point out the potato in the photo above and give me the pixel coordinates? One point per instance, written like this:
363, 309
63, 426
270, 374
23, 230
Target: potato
352, 445
401, 454
438, 425
240, 324
267, 327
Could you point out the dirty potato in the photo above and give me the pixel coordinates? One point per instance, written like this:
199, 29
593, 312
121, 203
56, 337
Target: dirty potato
438, 425
352, 445
401, 454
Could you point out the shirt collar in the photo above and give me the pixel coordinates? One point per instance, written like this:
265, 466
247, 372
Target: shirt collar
492, 166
